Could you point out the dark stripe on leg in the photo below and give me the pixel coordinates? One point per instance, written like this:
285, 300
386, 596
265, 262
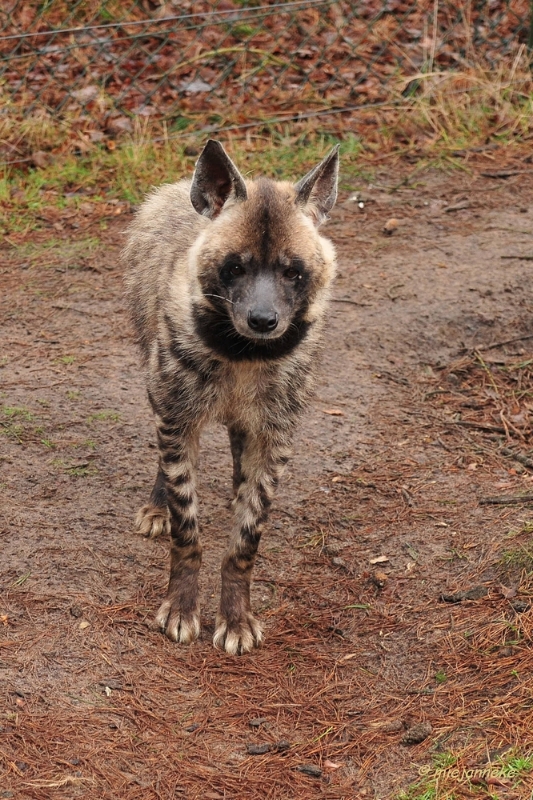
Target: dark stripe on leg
250, 538
158, 496
237, 439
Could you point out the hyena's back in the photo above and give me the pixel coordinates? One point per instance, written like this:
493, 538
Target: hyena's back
165, 229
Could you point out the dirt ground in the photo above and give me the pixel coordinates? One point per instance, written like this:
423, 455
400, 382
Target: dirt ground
366, 675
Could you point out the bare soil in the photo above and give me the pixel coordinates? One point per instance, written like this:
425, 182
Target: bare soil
378, 517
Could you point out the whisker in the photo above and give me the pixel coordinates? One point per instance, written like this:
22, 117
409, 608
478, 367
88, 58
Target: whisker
219, 297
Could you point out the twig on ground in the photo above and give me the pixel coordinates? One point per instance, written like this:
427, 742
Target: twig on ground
520, 457
462, 206
478, 426
505, 173
352, 302
506, 500
507, 341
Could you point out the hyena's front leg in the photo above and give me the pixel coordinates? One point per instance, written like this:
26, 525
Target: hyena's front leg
237, 437
258, 465
179, 615
153, 519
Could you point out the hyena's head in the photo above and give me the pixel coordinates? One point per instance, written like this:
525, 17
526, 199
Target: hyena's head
263, 269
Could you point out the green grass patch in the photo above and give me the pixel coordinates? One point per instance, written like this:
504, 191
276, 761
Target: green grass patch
18, 412
53, 252
447, 779
104, 416
519, 558
82, 470
16, 423
515, 765
128, 172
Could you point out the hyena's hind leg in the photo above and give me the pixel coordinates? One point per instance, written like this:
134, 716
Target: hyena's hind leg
153, 519
258, 465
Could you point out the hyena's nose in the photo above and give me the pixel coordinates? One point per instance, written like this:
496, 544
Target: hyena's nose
262, 320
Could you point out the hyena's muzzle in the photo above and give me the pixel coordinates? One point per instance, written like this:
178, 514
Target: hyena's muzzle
262, 299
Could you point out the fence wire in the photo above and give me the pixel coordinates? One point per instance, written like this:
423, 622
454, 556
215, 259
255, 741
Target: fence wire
233, 61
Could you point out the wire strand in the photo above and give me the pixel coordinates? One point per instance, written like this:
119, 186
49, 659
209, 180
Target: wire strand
240, 16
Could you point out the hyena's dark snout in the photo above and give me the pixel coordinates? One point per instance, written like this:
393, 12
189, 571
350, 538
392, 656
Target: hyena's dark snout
263, 320
263, 306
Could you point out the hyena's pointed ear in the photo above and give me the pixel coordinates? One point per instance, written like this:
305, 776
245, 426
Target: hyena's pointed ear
215, 178
317, 191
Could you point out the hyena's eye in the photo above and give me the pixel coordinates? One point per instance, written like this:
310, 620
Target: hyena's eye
235, 269
292, 274
231, 269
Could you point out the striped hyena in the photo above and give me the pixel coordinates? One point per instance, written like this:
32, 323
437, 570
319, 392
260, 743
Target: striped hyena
228, 286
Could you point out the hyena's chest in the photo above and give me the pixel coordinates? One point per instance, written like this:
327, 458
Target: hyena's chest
243, 395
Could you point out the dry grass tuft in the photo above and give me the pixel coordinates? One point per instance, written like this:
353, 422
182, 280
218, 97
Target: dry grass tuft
465, 108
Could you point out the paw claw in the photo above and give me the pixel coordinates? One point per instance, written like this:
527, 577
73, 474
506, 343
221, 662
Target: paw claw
151, 521
178, 626
239, 639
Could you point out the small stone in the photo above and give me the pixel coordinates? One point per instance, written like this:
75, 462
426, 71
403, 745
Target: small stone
417, 733
257, 749
192, 728
282, 745
76, 611
337, 561
257, 722
393, 726
310, 769
331, 550
475, 593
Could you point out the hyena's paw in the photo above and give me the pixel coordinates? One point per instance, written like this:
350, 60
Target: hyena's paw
182, 627
152, 521
238, 638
